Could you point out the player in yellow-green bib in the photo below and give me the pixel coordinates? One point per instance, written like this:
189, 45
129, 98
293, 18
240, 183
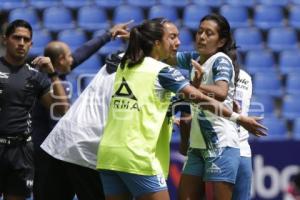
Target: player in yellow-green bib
133, 155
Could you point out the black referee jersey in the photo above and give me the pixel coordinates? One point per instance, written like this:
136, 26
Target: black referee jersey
20, 88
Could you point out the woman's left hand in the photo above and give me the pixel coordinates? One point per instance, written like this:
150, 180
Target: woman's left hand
252, 125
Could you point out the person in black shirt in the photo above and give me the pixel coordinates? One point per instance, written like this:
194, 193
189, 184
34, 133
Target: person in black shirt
21, 86
56, 179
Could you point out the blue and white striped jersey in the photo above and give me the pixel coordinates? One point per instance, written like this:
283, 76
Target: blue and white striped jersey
209, 130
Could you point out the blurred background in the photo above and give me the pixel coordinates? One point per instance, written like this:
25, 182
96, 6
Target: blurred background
266, 31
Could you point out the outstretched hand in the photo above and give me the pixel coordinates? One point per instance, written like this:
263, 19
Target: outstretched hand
120, 30
196, 82
252, 125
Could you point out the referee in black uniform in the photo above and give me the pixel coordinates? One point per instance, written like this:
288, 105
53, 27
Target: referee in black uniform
21, 86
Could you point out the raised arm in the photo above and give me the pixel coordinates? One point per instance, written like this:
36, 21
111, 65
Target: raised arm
56, 97
205, 102
83, 52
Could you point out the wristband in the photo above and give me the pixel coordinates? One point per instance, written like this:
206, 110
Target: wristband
234, 117
50, 75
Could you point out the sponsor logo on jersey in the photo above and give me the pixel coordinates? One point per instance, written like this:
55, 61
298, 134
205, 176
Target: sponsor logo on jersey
4, 75
124, 97
29, 183
31, 68
176, 74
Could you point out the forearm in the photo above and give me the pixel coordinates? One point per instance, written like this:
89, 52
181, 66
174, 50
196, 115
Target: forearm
249, 123
214, 91
59, 96
206, 102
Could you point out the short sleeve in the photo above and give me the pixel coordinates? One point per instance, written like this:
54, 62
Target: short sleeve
222, 70
43, 84
171, 79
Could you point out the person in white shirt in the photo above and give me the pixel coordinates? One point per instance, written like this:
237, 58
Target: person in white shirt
214, 153
84, 121
243, 93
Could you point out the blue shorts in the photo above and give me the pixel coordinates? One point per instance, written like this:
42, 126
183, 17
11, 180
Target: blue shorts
213, 165
116, 183
242, 187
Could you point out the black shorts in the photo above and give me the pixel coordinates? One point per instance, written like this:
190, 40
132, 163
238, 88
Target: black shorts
51, 180
86, 182
59, 180
16, 169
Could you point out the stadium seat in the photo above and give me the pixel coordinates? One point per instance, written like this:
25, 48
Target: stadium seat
40, 39
57, 19
11, 4
42, 4
266, 17
186, 40
295, 2
262, 105
91, 65
142, 4
86, 80
109, 4
112, 47
75, 4
248, 39
168, 12
282, 39
273, 2
28, 14
192, 15
76, 78
214, 3
260, 61
73, 37
92, 18
293, 83
175, 3
269, 84
248, 3
81, 75
289, 61
294, 16
277, 129
291, 107
74, 92
125, 13
237, 16
296, 129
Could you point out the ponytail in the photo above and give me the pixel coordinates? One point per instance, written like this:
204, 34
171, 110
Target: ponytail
141, 41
